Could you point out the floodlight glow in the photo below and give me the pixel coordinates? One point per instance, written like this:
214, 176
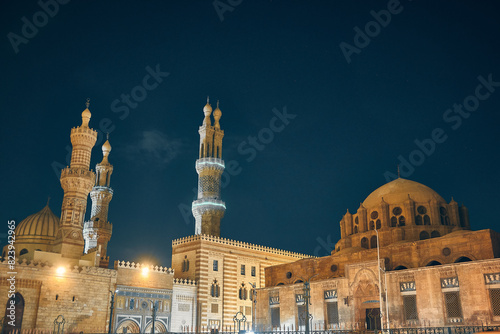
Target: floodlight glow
60, 271
145, 271
209, 203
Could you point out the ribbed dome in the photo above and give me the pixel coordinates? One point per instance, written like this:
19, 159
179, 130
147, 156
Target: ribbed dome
42, 224
397, 191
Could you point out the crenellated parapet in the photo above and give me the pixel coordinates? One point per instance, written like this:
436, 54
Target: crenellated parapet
141, 266
240, 244
181, 281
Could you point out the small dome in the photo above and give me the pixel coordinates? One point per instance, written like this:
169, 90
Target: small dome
86, 113
397, 191
207, 108
106, 147
42, 224
217, 112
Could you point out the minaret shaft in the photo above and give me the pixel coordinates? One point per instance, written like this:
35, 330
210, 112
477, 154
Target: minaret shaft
209, 209
76, 181
97, 231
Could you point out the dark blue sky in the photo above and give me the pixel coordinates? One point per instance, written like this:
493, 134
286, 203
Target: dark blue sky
353, 119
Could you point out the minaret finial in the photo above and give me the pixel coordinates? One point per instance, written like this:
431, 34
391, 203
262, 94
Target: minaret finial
107, 136
399, 173
88, 102
208, 99
217, 103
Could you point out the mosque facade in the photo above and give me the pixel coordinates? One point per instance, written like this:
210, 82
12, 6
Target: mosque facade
406, 257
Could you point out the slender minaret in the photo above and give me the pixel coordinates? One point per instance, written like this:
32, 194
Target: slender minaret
77, 181
97, 231
208, 209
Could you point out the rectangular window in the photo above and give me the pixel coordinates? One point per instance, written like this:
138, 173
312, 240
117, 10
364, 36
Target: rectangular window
495, 301
410, 307
332, 313
275, 317
215, 308
253, 271
243, 269
248, 310
301, 315
453, 306
216, 265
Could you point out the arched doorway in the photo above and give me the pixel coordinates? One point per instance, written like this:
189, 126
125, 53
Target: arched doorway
159, 327
128, 326
14, 313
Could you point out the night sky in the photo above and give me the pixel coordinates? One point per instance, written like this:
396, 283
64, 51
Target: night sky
356, 102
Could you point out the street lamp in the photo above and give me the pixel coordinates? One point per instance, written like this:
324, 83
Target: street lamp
307, 297
383, 316
254, 304
111, 310
155, 308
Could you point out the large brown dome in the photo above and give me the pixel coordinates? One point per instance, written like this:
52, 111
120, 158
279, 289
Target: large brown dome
41, 224
397, 191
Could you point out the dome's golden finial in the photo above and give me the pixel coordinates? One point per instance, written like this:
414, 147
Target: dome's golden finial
86, 115
48, 200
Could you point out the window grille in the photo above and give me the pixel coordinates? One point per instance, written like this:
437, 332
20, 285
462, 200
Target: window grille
410, 307
453, 306
216, 265
248, 310
301, 313
215, 308
243, 269
253, 271
332, 313
275, 317
495, 301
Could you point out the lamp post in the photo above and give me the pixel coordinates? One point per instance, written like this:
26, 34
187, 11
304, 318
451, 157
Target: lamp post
111, 310
155, 307
383, 316
307, 297
254, 304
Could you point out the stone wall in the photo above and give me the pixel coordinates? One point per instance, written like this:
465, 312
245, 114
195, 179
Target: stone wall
80, 294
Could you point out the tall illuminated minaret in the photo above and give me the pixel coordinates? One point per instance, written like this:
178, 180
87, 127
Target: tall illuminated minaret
77, 181
209, 209
97, 231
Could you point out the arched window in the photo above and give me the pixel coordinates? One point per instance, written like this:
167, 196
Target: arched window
13, 325
424, 235
280, 284
373, 242
427, 220
462, 259
355, 228
243, 292
298, 281
215, 289
394, 221
433, 263
418, 220
23, 251
202, 152
364, 243
400, 268
435, 234
444, 215
185, 264
378, 224
402, 221
372, 225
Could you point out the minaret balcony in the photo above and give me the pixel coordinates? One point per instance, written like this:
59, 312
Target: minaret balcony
205, 204
215, 163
